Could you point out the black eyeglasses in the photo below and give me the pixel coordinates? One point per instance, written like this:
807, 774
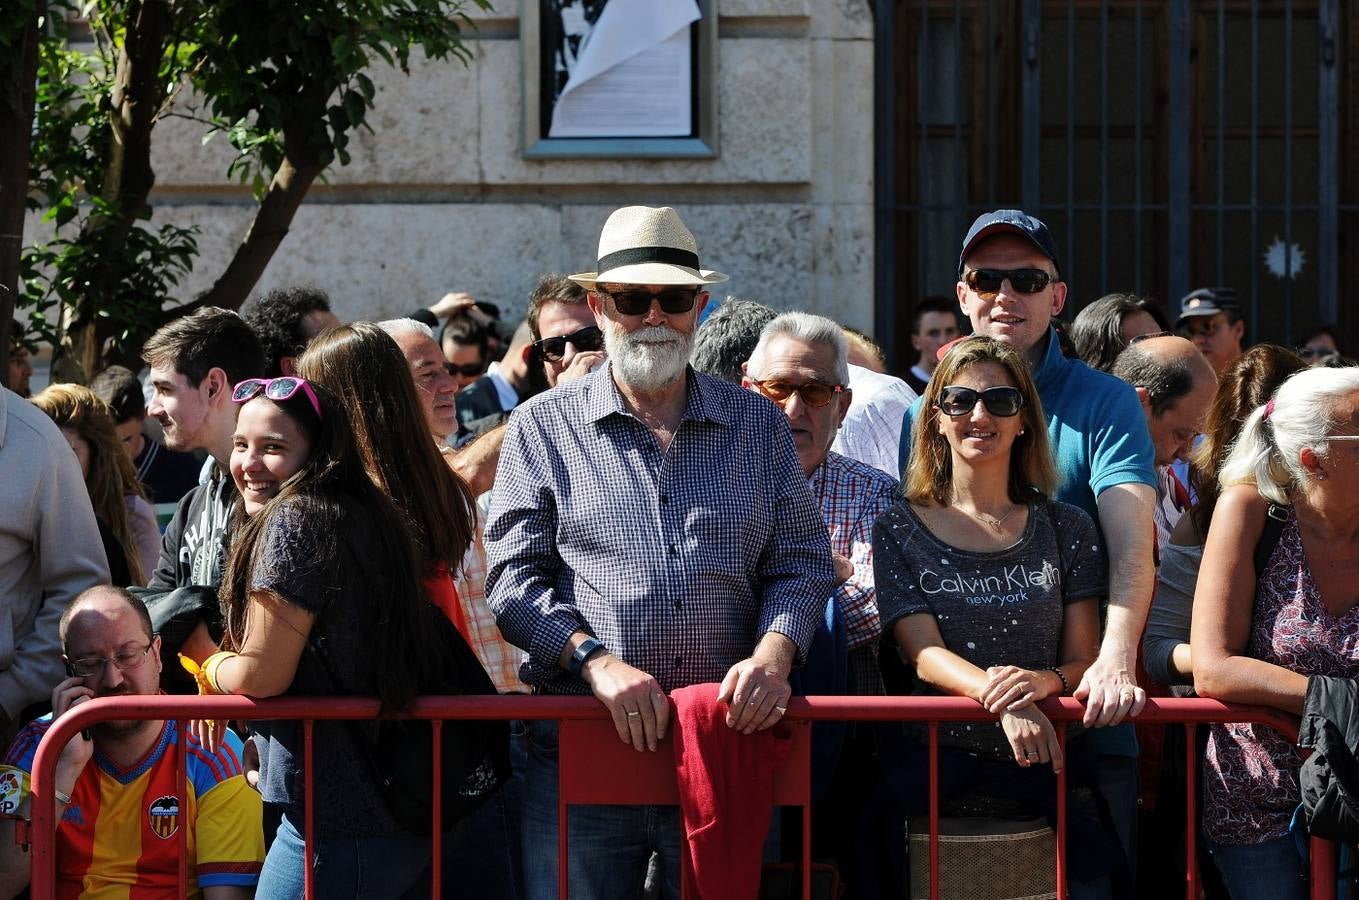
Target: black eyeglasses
814, 393
1004, 401
90, 666
636, 302
987, 282
554, 348
467, 370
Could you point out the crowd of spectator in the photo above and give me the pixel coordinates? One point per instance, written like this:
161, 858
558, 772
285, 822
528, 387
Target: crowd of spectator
691, 511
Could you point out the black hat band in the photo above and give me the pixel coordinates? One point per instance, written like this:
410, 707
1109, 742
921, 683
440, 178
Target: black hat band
635, 255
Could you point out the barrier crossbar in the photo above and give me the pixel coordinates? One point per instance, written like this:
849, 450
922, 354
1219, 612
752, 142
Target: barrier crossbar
928, 710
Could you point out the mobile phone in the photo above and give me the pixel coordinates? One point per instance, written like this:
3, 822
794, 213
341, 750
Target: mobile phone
70, 670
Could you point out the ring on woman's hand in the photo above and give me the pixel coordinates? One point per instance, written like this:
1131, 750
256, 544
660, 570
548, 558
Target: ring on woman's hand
781, 709
633, 712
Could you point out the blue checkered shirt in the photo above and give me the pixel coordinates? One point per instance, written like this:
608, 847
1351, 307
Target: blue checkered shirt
678, 561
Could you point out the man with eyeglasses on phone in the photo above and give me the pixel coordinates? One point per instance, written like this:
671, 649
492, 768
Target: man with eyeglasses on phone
1010, 287
651, 529
1211, 318
117, 785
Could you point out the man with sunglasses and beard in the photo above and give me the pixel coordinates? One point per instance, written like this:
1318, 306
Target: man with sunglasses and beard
1010, 287
651, 529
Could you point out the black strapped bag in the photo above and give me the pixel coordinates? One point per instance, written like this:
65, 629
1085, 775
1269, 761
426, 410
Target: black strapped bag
474, 756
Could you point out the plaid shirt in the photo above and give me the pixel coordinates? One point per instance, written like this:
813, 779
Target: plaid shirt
498, 657
678, 561
852, 495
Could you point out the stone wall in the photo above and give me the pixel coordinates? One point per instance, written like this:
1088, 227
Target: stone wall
439, 197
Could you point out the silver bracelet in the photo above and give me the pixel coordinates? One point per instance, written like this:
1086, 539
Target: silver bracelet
63, 799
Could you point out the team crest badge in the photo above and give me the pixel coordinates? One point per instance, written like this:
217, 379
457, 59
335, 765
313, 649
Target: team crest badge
11, 791
164, 816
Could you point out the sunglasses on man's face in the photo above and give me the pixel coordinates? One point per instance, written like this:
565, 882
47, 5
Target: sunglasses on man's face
467, 370
636, 302
553, 349
956, 400
814, 393
1202, 326
986, 283
275, 389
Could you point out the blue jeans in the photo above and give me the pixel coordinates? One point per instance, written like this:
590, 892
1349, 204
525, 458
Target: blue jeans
1274, 870
608, 846
345, 865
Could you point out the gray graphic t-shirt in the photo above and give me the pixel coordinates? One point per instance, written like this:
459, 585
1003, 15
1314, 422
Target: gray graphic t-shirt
994, 608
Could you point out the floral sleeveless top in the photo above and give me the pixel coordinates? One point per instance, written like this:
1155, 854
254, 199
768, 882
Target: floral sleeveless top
1250, 779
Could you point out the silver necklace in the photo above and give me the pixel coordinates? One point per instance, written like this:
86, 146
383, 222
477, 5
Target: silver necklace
991, 521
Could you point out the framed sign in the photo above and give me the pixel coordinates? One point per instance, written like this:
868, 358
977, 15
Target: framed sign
619, 78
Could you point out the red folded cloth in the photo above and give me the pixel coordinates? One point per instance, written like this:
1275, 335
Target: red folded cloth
726, 788
438, 582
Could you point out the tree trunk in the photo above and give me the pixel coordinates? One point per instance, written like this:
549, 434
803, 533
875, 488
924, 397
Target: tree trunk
136, 98
19, 75
267, 231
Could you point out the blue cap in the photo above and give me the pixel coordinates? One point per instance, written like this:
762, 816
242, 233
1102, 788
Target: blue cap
1014, 221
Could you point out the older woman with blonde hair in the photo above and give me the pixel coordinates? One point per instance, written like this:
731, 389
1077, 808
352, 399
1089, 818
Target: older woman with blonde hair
991, 590
127, 523
1275, 604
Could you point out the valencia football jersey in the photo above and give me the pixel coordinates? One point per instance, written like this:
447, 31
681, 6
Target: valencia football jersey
119, 836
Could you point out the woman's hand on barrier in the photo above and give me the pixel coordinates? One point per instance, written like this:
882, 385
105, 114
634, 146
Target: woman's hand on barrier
1032, 737
209, 732
639, 707
1010, 687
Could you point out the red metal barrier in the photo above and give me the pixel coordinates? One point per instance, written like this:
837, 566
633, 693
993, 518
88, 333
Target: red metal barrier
930, 710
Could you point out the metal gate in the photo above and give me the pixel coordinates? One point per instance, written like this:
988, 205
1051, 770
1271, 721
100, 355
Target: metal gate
1169, 144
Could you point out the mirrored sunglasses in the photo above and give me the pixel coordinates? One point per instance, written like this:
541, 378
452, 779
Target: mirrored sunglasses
635, 302
276, 389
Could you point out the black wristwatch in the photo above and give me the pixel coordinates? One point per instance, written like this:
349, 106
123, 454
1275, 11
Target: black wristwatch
587, 648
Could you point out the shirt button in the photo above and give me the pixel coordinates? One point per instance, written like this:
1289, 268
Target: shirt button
664, 499
678, 604
673, 551
679, 661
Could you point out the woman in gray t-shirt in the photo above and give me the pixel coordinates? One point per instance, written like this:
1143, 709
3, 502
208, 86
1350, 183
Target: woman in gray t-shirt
990, 591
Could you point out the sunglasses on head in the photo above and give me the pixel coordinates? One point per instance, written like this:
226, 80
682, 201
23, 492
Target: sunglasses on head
467, 370
1004, 401
275, 389
987, 282
636, 302
813, 393
553, 349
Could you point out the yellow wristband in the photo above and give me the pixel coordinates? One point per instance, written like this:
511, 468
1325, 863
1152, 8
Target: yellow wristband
199, 676
212, 664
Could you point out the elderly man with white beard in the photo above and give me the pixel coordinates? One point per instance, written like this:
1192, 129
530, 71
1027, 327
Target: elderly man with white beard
651, 529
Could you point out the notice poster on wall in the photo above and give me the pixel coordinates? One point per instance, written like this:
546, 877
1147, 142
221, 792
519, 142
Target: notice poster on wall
619, 78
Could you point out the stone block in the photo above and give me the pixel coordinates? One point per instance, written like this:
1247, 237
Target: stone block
842, 247
842, 19
754, 9
383, 260
842, 115
763, 90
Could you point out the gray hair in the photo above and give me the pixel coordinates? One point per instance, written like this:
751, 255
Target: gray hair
397, 327
809, 329
1267, 453
728, 337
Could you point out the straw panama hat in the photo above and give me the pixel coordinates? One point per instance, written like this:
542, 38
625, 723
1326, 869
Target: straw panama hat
647, 245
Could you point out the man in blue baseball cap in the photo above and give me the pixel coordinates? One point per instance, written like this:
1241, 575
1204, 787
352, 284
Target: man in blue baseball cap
1010, 287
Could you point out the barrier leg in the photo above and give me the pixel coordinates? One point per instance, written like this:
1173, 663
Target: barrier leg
1191, 809
1323, 869
437, 849
308, 810
1061, 818
934, 810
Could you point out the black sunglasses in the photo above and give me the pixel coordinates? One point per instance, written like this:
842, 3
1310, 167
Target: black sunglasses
634, 302
987, 282
956, 400
554, 348
467, 370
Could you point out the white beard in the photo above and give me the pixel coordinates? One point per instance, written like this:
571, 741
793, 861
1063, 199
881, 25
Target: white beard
650, 358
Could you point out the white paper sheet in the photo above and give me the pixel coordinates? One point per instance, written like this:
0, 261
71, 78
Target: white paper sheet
633, 75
